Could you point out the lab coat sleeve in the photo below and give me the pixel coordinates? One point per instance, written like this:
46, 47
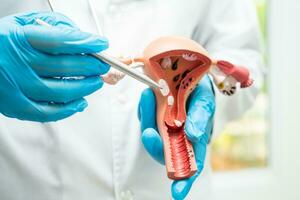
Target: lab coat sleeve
230, 31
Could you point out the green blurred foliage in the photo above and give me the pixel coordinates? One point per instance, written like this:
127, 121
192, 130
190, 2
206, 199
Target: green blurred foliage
261, 11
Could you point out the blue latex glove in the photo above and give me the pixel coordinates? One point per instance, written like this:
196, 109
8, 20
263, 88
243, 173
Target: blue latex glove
33, 56
198, 127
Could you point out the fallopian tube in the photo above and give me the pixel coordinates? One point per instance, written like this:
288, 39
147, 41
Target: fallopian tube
178, 64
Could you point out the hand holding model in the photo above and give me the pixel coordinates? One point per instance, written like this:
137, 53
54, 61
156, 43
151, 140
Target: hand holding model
177, 120
198, 128
45, 72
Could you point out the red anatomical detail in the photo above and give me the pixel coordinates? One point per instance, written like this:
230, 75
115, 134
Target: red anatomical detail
181, 70
240, 74
178, 64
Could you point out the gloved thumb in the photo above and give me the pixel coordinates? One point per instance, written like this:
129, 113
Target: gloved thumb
153, 144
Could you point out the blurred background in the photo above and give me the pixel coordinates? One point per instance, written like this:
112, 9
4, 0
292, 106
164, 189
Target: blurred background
257, 156
243, 143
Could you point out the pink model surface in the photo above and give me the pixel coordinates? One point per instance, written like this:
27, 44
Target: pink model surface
178, 64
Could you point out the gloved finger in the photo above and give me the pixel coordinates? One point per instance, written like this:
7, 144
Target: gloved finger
147, 110
198, 128
181, 188
61, 90
147, 116
52, 18
48, 112
67, 65
201, 109
62, 40
153, 144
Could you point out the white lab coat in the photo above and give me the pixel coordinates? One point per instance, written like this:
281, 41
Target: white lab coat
98, 154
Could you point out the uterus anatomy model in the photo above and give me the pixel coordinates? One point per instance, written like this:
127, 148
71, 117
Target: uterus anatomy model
178, 64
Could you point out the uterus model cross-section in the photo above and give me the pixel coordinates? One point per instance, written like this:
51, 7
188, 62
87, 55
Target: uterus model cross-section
178, 64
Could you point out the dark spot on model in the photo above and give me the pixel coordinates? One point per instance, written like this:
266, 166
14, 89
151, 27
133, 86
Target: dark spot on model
185, 73
176, 78
175, 65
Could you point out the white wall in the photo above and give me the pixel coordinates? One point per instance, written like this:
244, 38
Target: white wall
284, 34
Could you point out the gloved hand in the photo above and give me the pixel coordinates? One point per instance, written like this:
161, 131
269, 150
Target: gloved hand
198, 127
32, 57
